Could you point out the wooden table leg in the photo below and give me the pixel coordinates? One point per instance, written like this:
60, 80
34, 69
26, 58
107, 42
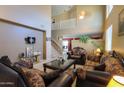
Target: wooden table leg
44, 68
74, 66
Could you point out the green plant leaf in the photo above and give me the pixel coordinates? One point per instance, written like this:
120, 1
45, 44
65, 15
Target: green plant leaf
84, 38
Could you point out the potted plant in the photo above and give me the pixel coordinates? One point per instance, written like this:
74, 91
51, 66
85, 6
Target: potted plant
86, 38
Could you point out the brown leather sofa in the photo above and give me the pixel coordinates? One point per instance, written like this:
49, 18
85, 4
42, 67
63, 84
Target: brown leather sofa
11, 76
79, 54
112, 63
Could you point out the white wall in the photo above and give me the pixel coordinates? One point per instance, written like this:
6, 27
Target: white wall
113, 19
93, 22
88, 46
108, 39
12, 41
38, 16
33, 15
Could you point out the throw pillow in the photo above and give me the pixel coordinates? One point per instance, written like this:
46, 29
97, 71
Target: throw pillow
33, 77
114, 67
81, 73
27, 64
103, 58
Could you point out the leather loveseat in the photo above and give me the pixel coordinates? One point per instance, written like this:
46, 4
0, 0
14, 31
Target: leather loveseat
79, 54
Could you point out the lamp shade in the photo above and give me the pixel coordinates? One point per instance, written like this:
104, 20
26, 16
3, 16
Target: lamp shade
116, 81
98, 50
82, 14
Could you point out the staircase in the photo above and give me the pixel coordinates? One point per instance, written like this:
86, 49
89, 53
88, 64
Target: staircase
56, 49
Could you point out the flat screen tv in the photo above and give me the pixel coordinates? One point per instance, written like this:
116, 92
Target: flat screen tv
30, 40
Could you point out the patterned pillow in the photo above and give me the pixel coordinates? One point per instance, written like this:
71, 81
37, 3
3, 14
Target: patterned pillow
114, 67
76, 52
34, 77
27, 64
104, 58
81, 73
94, 58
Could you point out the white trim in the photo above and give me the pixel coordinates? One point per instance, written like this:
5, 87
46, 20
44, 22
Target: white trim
108, 10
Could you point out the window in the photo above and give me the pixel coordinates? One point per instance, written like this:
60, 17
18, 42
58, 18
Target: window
108, 39
108, 10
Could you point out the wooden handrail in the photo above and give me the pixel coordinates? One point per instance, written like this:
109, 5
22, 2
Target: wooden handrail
56, 46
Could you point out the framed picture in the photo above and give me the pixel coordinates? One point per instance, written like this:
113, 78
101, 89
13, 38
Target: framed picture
121, 23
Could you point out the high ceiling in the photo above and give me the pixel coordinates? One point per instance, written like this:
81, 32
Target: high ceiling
58, 9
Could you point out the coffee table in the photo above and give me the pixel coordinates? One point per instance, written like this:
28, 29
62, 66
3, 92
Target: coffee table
58, 65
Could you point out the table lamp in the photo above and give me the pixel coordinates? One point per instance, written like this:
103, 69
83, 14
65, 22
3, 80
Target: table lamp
98, 51
116, 81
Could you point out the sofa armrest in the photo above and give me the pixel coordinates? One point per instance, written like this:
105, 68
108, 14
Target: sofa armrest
64, 80
98, 77
100, 67
10, 78
69, 53
92, 78
50, 77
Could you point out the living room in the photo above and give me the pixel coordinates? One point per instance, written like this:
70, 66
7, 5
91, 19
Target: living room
61, 45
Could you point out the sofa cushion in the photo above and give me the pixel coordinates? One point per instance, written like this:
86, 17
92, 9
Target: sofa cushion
78, 51
34, 77
93, 57
91, 63
87, 68
75, 56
